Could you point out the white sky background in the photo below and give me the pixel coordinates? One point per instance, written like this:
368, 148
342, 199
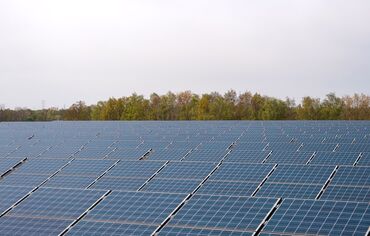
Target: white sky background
64, 51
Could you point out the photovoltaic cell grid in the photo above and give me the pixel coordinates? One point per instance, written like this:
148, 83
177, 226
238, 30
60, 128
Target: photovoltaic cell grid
48, 211
76, 163
9, 195
135, 212
222, 212
296, 216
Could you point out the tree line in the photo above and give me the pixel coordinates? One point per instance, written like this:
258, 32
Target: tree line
210, 106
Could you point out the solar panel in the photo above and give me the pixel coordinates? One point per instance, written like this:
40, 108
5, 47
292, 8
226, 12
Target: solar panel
156, 145
248, 156
280, 146
61, 151
56, 203
346, 193
201, 232
93, 152
222, 213
28, 151
241, 172
135, 169
306, 191
258, 146
222, 146
364, 160
289, 157
173, 178
318, 147
119, 183
127, 153
335, 158
127, 144
5, 150
301, 174
87, 167
9, 195
168, 154
296, 216
230, 188
134, 208
355, 147
186, 170
110, 228
183, 145
41, 166
69, 181
27, 180
353, 176
171, 185
207, 155
48, 211
24, 226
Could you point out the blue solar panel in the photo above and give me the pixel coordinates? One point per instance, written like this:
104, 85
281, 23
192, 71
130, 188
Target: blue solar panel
9, 195
241, 172
127, 153
184, 145
301, 174
353, 176
222, 213
318, 147
289, 157
222, 146
93, 152
258, 146
346, 193
248, 156
319, 218
26, 226
201, 232
135, 208
306, 191
87, 167
168, 154
283, 146
206, 155
186, 170
126, 144
85, 227
171, 185
48, 211
118, 183
41, 166
27, 180
5, 150
335, 158
364, 160
69, 181
56, 203
62, 151
230, 188
28, 151
135, 169
173, 178
355, 147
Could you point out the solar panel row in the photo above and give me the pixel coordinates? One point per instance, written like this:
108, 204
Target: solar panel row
185, 178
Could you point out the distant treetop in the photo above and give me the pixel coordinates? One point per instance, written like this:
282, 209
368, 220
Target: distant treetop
210, 106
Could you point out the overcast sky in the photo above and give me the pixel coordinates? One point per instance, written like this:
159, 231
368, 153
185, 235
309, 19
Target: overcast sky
64, 51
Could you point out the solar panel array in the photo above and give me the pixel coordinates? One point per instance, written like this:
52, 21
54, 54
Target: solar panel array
185, 178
